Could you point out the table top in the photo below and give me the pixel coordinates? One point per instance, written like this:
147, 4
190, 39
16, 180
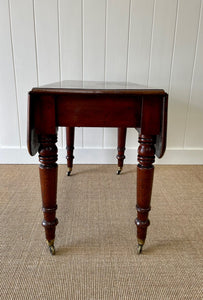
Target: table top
74, 103
107, 87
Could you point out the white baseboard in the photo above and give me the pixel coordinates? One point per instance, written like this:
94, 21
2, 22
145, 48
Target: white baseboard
102, 156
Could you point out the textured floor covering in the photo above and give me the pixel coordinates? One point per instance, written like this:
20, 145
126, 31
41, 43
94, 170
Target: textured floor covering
96, 236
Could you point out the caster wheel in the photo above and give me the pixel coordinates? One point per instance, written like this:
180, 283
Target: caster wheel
118, 172
69, 171
52, 250
139, 249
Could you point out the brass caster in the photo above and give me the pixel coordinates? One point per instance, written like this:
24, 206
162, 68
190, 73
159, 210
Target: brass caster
119, 170
52, 250
69, 171
139, 249
51, 247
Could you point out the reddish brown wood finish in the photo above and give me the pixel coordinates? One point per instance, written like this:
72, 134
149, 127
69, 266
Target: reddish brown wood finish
98, 110
145, 171
73, 104
121, 147
48, 178
70, 132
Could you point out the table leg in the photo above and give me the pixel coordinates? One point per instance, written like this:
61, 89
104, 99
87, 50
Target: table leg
121, 148
48, 178
70, 132
145, 171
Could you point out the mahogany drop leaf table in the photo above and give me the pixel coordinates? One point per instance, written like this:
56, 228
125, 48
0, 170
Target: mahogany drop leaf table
96, 104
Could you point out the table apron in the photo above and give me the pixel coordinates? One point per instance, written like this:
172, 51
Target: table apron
98, 111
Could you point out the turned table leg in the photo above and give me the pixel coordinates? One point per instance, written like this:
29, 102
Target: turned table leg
70, 132
121, 148
48, 178
145, 171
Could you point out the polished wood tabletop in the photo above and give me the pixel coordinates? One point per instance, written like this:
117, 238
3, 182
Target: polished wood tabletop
96, 104
97, 86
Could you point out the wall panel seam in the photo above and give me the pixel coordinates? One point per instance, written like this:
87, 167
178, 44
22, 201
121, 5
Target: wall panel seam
59, 62
105, 39
59, 39
82, 37
35, 39
14, 72
193, 71
106, 29
105, 42
151, 42
174, 44
128, 41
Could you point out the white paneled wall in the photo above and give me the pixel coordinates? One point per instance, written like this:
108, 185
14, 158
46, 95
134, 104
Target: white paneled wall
154, 42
